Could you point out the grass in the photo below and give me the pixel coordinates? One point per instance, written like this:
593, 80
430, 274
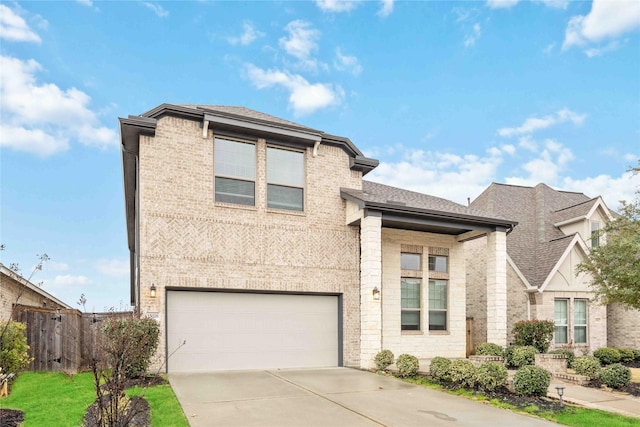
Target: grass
570, 415
60, 400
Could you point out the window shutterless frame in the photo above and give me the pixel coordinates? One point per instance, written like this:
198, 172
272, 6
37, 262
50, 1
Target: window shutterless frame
234, 164
561, 318
285, 178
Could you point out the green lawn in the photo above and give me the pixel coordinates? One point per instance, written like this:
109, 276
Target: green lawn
60, 400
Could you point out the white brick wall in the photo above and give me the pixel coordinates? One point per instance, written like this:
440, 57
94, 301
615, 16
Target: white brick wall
497, 288
370, 278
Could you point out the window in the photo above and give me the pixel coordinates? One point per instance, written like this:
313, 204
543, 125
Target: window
438, 263
438, 305
410, 304
580, 321
235, 172
595, 234
410, 261
560, 317
285, 179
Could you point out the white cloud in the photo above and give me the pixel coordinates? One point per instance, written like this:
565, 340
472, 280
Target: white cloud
248, 36
533, 124
386, 8
113, 267
57, 266
85, 2
14, 28
611, 189
475, 35
509, 149
304, 97
42, 118
68, 280
557, 4
337, 6
501, 4
630, 157
346, 62
606, 20
302, 40
546, 167
157, 9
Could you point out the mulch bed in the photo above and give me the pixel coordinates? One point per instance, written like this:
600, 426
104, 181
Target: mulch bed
146, 381
11, 417
138, 414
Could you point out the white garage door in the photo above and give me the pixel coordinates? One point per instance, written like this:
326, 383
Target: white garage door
225, 331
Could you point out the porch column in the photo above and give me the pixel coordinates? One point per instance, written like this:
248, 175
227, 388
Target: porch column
497, 287
370, 278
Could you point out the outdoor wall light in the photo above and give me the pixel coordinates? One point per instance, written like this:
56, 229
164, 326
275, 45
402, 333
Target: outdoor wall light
376, 294
152, 291
58, 316
560, 391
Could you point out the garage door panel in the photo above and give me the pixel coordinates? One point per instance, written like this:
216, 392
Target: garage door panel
250, 331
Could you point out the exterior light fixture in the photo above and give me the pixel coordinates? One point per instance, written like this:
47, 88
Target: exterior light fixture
560, 391
58, 316
152, 291
376, 294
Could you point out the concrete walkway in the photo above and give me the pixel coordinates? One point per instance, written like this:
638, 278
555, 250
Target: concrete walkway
329, 397
609, 401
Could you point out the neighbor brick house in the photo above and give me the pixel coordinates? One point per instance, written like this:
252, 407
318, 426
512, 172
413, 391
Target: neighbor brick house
256, 243
15, 289
555, 231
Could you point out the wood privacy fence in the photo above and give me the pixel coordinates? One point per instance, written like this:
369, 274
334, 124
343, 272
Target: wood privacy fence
61, 340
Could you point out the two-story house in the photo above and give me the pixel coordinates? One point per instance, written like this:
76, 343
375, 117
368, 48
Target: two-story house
256, 243
555, 231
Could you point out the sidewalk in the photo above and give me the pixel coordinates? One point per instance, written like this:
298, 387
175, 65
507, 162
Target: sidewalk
609, 401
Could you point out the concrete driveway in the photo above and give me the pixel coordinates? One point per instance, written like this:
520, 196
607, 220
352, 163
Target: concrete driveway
327, 397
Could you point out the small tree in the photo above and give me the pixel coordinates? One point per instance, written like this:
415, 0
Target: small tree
14, 351
536, 333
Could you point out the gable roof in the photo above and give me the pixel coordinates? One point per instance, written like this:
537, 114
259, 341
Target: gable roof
537, 243
4, 271
417, 211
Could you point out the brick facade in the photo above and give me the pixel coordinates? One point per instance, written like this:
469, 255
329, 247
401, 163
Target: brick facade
623, 327
189, 240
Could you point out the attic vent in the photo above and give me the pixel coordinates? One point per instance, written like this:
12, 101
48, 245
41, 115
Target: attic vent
396, 202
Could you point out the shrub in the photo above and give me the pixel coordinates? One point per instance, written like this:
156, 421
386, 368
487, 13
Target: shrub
489, 349
407, 365
383, 359
607, 355
143, 332
439, 368
518, 356
588, 366
626, 355
615, 376
536, 333
531, 381
491, 375
463, 373
14, 351
636, 354
566, 352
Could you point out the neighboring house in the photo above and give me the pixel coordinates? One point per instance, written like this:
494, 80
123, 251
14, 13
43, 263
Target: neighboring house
555, 231
256, 243
15, 289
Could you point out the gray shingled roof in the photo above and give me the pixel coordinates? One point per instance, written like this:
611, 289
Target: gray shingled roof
247, 113
575, 211
535, 245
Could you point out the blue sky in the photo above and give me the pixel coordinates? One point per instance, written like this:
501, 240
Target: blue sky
449, 96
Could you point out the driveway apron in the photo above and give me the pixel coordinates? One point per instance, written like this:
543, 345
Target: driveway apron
327, 397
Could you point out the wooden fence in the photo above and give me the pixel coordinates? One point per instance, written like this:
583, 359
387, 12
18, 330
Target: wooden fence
61, 340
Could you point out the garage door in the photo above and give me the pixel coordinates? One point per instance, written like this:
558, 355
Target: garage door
225, 331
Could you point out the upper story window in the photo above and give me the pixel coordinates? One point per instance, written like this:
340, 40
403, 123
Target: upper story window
595, 234
235, 172
285, 179
409, 261
438, 263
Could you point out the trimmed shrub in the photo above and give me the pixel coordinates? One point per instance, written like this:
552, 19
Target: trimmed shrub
570, 355
383, 359
491, 375
615, 376
588, 366
463, 373
531, 381
439, 368
489, 349
636, 354
407, 365
519, 356
536, 333
14, 351
607, 355
626, 355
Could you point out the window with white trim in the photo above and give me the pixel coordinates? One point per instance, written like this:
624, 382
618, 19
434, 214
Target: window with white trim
580, 321
411, 291
595, 234
438, 304
235, 171
560, 317
285, 179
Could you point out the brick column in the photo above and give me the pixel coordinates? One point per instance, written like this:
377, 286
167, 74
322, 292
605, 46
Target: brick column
370, 277
497, 287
